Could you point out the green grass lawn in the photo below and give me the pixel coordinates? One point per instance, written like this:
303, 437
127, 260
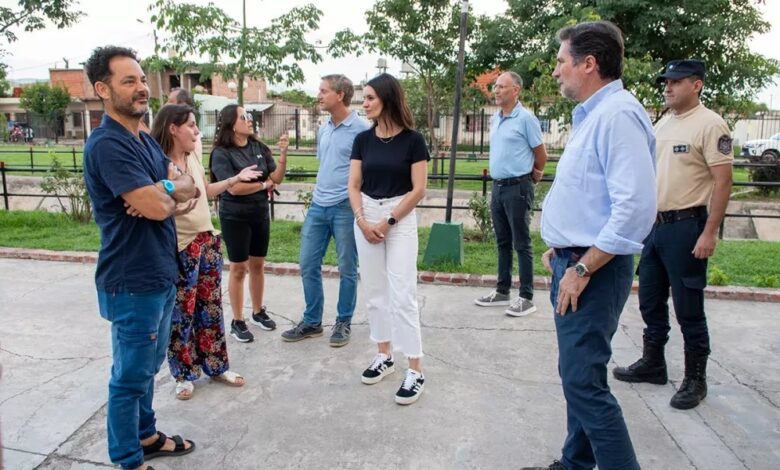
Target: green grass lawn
744, 263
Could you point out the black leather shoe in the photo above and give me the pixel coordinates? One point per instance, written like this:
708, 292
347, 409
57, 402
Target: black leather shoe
556, 465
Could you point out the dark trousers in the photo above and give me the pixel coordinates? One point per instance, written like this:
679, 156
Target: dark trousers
511, 208
597, 433
667, 262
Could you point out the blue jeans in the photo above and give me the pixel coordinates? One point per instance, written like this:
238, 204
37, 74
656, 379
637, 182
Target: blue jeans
597, 432
511, 208
320, 225
140, 330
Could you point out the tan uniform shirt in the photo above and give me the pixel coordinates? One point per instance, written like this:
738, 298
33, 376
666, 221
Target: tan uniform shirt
189, 225
687, 145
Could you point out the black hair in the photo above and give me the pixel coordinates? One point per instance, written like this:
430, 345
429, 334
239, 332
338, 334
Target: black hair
97, 66
394, 106
601, 39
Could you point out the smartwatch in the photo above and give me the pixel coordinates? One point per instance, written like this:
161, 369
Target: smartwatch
391, 220
581, 270
168, 186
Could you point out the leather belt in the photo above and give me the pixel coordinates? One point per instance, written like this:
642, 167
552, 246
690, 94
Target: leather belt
511, 181
670, 217
573, 253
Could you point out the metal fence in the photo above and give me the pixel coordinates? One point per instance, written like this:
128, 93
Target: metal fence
440, 178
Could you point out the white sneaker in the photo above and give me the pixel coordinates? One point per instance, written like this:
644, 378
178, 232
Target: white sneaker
520, 307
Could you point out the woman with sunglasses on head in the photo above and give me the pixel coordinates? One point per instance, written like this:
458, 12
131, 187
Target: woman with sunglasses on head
243, 211
387, 179
198, 331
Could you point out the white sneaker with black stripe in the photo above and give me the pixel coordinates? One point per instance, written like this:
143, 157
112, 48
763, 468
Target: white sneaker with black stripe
411, 388
380, 367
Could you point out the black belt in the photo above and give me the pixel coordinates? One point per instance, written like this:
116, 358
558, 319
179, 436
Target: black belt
573, 253
670, 217
511, 181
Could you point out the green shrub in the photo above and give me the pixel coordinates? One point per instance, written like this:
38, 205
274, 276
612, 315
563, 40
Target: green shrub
63, 183
767, 280
718, 277
479, 208
305, 197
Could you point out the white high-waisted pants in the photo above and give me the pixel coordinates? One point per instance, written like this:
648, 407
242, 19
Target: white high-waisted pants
388, 273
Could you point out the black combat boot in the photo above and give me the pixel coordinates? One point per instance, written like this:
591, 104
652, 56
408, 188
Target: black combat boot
694, 385
650, 368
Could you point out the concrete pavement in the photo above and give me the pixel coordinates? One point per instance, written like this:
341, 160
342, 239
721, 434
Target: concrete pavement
492, 400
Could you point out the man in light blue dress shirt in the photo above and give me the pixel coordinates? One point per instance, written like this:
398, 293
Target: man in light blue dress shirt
600, 207
517, 159
330, 215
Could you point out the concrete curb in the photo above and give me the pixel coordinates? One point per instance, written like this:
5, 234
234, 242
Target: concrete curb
752, 294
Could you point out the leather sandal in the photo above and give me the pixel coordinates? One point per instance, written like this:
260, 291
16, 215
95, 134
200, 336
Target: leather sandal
154, 450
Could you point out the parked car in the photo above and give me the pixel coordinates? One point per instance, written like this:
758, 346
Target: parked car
767, 150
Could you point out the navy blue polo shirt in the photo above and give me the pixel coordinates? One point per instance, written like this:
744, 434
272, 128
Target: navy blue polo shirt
136, 254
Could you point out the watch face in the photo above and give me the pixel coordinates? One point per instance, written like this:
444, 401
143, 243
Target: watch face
581, 270
391, 220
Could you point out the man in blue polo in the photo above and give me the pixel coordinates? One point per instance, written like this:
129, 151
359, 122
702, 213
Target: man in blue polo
137, 268
330, 216
517, 159
599, 209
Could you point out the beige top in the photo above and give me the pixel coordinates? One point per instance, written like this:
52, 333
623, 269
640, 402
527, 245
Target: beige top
189, 225
687, 145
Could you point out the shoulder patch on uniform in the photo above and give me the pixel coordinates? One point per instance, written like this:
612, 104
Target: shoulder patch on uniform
724, 145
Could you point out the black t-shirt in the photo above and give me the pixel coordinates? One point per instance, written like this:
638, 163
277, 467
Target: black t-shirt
228, 162
387, 166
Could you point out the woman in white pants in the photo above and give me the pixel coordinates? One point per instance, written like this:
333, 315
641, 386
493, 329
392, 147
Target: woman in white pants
387, 178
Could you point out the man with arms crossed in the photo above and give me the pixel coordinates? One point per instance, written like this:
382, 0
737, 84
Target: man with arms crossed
330, 215
137, 268
517, 158
599, 209
694, 169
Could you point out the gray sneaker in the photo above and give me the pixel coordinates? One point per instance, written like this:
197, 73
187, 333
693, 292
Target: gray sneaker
301, 331
493, 299
520, 307
340, 336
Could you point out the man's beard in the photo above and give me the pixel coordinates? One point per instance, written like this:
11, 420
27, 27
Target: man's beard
127, 109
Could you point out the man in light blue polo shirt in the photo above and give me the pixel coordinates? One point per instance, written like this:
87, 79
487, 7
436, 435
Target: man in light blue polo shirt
517, 158
330, 216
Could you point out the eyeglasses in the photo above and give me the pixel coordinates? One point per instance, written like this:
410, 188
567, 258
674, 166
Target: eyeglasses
246, 117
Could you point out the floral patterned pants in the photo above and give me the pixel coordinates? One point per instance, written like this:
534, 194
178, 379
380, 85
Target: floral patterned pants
198, 329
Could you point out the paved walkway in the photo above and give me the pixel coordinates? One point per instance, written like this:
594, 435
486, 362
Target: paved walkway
492, 400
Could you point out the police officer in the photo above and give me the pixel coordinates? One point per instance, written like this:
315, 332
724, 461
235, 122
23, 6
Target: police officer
694, 157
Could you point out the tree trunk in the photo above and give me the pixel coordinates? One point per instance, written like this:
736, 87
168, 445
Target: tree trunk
240, 89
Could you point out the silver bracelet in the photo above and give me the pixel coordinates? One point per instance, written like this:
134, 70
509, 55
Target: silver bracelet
358, 218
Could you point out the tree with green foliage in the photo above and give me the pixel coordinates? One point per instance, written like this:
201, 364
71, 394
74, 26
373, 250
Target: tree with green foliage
717, 31
295, 96
48, 102
422, 33
235, 50
32, 15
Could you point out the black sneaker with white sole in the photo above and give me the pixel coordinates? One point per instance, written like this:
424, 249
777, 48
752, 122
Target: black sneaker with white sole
262, 320
240, 332
411, 388
380, 367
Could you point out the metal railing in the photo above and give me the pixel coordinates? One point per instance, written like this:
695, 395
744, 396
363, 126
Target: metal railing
484, 179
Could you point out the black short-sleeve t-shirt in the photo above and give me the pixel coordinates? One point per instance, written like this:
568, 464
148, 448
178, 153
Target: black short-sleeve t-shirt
227, 162
387, 165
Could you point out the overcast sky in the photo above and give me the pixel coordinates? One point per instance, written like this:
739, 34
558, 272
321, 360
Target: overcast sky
115, 22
